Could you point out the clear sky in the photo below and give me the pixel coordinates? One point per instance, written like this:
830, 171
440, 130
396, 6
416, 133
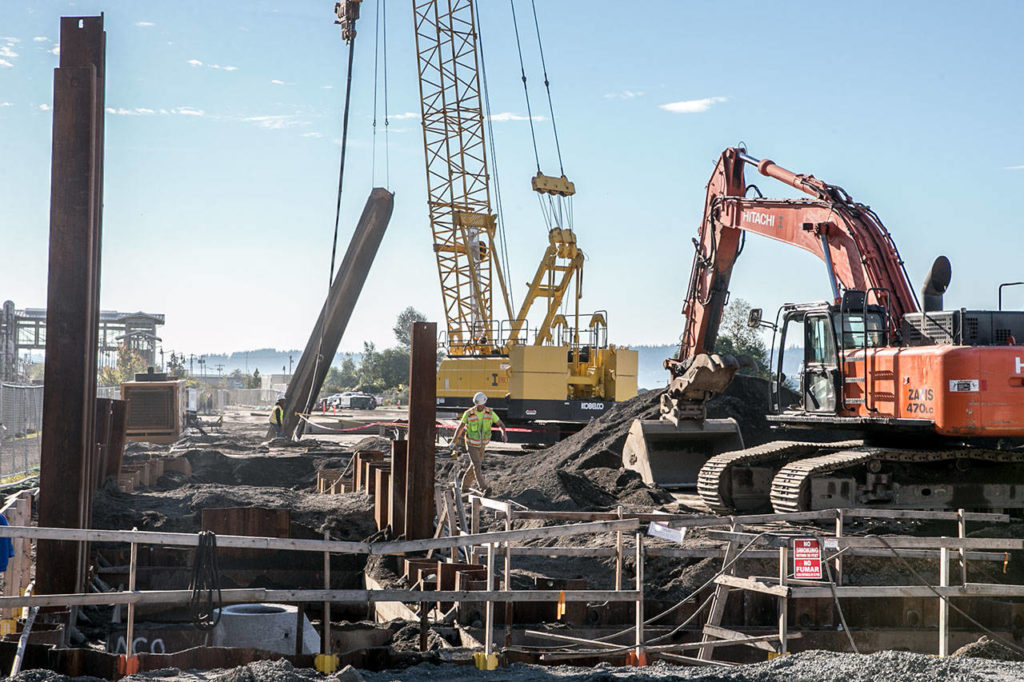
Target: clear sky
224, 117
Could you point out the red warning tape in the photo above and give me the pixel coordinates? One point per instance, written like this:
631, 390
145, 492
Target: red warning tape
438, 425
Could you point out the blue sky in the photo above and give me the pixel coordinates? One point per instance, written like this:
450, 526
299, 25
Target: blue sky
224, 119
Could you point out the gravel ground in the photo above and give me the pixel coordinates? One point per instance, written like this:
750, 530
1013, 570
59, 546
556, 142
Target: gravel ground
810, 666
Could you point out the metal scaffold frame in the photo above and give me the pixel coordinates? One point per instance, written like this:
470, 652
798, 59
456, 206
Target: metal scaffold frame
458, 189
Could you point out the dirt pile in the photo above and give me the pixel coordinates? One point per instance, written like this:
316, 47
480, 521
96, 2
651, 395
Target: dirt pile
990, 649
179, 510
584, 471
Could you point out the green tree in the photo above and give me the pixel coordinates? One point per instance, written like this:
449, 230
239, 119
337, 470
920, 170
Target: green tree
736, 338
253, 380
403, 325
370, 378
176, 366
394, 367
340, 379
129, 363
348, 375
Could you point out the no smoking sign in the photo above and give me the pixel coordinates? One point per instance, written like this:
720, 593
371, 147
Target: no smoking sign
807, 558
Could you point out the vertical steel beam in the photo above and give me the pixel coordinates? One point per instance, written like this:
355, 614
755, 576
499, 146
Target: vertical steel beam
419, 479
399, 464
316, 359
69, 401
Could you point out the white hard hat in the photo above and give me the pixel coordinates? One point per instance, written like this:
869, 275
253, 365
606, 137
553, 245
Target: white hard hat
479, 399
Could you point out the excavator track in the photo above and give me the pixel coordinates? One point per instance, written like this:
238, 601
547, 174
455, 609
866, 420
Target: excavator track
791, 485
715, 484
986, 479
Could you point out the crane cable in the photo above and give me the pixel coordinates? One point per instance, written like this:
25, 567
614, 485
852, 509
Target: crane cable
526, 91
547, 87
307, 407
341, 167
380, 54
489, 127
387, 140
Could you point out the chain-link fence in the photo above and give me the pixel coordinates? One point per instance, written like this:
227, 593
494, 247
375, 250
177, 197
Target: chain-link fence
21, 417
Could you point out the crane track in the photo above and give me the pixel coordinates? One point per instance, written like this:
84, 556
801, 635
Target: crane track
789, 487
712, 480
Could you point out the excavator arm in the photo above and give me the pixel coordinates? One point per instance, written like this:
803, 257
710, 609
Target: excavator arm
847, 236
858, 254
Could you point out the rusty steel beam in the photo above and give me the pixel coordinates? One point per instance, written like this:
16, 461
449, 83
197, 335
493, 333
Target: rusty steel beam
399, 462
76, 207
419, 476
316, 359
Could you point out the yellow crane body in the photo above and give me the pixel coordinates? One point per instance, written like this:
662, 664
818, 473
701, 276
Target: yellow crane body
562, 370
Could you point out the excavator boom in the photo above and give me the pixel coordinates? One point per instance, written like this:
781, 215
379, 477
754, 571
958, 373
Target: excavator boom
847, 236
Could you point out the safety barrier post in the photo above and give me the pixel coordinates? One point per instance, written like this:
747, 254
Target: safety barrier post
943, 603
508, 577
961, 529
618, 554
132, 569
839, 557
638, 650
783, 601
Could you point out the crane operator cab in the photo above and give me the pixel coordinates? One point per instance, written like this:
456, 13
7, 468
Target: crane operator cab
811, 340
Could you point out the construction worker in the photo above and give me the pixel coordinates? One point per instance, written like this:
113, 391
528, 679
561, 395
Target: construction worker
476, 424
277, 418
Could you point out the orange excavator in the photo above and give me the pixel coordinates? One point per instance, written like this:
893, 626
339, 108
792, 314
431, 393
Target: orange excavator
934, 398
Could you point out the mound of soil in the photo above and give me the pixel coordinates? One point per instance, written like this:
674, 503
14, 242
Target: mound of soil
585, 471
990, 649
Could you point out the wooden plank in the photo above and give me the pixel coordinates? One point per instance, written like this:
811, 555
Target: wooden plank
679, 658
719, 597
988, 517
419, 496
914, 591
249, 595
504, 507
339, 546
403, 546
691, 521
753, 585
897, 542
733, 637
577, 640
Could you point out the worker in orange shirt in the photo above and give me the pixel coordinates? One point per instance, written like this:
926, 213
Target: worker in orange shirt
476, 424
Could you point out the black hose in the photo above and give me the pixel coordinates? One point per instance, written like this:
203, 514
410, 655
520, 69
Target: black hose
205, 598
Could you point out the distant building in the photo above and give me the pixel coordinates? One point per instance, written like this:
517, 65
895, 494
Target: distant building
275, 382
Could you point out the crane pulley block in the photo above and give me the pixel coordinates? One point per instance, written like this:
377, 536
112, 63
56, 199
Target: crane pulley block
348, 12
546, 184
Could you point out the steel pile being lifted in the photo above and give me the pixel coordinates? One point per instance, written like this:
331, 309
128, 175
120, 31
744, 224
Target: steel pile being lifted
316, 359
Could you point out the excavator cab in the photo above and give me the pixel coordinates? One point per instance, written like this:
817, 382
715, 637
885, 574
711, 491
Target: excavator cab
812, 339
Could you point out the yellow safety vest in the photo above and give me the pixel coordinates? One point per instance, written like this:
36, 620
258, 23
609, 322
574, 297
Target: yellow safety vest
277, 415
478, 425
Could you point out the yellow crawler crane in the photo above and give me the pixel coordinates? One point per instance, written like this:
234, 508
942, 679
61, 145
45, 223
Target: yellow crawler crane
563, 369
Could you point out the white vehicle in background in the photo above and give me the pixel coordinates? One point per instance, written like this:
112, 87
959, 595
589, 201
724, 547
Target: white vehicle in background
356, 400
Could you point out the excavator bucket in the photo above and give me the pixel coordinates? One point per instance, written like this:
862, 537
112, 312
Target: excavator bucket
671, 456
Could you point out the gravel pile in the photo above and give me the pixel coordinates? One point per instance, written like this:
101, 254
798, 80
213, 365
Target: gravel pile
809, 666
